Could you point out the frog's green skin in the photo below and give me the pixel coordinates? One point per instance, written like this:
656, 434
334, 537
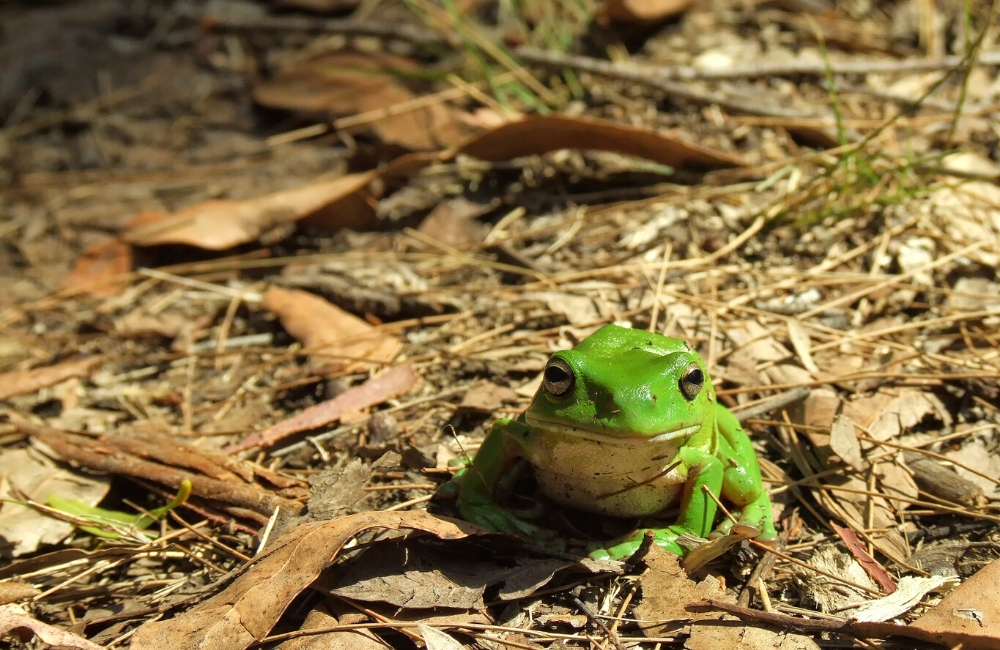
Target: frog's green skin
624, 424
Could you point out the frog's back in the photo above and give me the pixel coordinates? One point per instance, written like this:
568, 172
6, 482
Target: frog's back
612, 339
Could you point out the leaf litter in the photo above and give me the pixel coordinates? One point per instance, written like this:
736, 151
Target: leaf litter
291, 308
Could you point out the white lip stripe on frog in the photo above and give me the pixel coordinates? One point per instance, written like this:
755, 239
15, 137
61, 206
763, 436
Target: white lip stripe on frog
597, 436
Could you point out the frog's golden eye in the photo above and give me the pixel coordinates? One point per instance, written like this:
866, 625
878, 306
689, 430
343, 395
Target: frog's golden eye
691, 381
558, 377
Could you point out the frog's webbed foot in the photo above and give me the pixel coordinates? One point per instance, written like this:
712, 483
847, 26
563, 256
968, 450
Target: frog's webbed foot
501, 520
752, 520
625, 547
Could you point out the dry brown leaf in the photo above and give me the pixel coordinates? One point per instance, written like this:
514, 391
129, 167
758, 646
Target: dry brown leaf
20, 382
11, 592
875, 570
895, 480
436, 639
890, 412
487, 397
334, 490
979, 456
969, 616
541, 134
578, 310
330, 334
760, 638
844, 443
359, 639
420, 576
802, 345
820, 408
392, 383
667, 591
94, 272
640, 11
248, 608
15, 618
224, 223
347, 83
712, 635
169, 325
453, 223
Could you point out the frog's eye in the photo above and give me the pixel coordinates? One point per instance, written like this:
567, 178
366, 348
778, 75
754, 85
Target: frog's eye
691, 381
558, 377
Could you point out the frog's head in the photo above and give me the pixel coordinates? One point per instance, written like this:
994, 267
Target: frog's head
621, 383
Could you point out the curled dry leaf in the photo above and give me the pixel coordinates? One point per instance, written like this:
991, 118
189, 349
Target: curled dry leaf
347, 83
11, 592
248, 608
969, 616
222, 224
100, 269
908, 593
542, 134
392, 383
330, 334
873, 568
20, 382
14, 617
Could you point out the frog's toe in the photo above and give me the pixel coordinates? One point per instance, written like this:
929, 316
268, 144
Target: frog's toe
723, 529
498, 519
625, 547
768, 534
758, 515
448, 490
596, 552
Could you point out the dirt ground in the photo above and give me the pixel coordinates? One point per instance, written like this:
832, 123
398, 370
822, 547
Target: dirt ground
271, 272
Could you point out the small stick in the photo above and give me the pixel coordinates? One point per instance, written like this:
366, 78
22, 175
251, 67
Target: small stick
772, 403
785, 68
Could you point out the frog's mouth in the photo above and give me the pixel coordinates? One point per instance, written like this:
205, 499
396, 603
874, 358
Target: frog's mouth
576, 431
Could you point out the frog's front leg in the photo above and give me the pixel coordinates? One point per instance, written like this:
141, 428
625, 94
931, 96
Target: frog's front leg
742, 483
477, 483
705, 473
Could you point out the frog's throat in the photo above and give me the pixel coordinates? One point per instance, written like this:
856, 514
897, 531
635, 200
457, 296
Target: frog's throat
583, 433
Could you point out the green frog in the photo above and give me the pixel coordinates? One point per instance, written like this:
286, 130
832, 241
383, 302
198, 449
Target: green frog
625, 424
